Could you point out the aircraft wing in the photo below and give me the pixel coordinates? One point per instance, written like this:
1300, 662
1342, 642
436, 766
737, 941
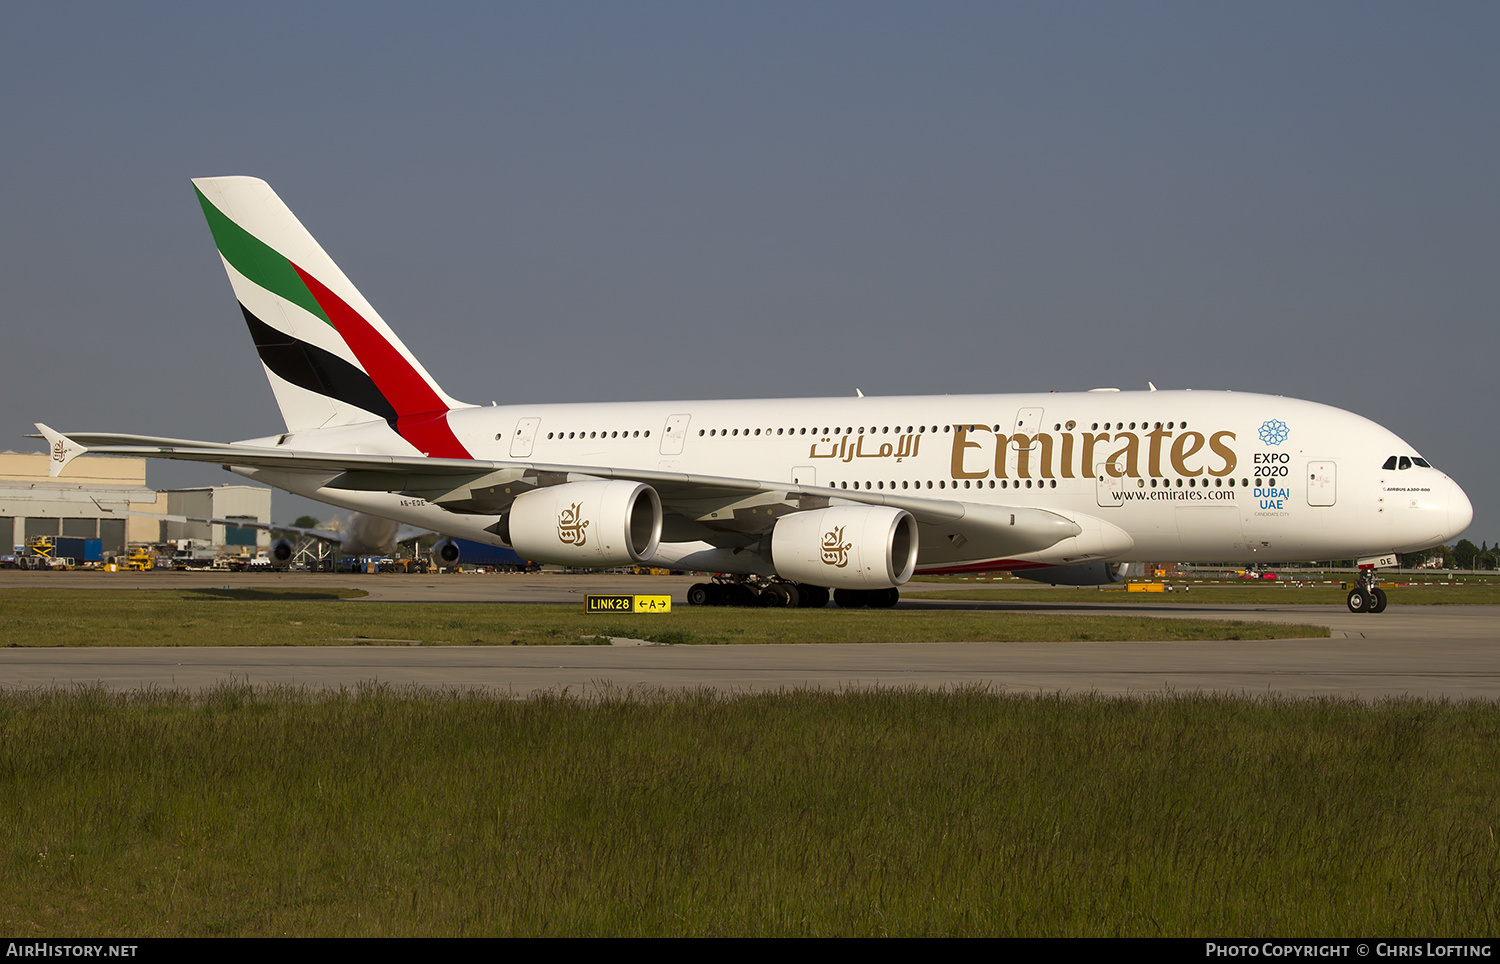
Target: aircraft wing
720, 510
357, 539
373, 472
322, 535
65, 448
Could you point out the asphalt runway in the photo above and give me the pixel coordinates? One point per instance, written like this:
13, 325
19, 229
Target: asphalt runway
1408, 651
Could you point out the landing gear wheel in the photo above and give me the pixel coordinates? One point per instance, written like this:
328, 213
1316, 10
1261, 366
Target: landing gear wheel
698, 594
1359, 601
1377, 600
812, 597
778, 595
850, 598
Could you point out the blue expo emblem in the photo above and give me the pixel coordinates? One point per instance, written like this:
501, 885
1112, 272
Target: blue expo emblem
1273, 431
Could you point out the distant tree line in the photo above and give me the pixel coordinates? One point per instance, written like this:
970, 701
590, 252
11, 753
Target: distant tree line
1463, 555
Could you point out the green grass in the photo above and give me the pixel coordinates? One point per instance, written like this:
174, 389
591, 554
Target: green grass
1424, 576
1262, 594
252, 617
889, 813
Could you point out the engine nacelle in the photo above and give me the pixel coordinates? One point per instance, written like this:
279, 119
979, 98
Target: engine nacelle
1089, 574
445, 553
370, 535
846, 547
281, 552
590, 524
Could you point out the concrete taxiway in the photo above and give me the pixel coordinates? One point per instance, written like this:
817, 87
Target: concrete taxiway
1408, 651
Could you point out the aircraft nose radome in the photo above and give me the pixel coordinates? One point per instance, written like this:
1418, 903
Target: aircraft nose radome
1460, 510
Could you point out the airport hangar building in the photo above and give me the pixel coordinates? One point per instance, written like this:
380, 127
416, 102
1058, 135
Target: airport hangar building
86, 501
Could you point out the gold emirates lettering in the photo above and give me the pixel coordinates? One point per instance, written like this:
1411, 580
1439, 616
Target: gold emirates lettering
978, 452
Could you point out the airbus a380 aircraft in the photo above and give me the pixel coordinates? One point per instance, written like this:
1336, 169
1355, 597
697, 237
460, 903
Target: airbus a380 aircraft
795, 497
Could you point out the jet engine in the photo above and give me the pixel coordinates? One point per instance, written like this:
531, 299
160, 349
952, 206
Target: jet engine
1089, 574
370, 535
445, 553
846, 547
281, 552
592, 524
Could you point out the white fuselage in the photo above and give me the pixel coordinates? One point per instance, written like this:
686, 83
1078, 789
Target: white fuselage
1184, 475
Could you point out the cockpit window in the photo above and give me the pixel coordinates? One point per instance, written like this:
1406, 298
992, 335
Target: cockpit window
1405, 462
1390, 463
1422, 462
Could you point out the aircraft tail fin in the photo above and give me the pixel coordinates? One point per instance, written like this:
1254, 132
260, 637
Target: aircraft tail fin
329, 356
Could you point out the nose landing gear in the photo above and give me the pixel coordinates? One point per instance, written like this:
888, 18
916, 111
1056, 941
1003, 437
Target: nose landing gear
1366, 597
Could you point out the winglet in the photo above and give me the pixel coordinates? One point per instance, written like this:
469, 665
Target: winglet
62, 449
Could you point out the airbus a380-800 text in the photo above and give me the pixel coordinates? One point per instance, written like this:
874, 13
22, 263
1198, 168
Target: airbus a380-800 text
789, 499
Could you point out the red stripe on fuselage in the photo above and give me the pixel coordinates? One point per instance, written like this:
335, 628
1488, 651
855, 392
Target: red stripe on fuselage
421, 416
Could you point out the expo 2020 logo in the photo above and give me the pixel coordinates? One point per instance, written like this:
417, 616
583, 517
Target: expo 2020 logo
1273, 431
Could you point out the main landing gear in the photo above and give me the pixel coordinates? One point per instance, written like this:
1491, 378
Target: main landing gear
754, 591
776, 594
867, 598
1366, 597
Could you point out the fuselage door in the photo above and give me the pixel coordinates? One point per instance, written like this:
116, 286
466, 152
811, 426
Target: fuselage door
1321, 487
1026, 422
674, 434
1108, 487
524, 436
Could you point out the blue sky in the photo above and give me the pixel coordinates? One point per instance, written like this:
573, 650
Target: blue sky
590, 201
